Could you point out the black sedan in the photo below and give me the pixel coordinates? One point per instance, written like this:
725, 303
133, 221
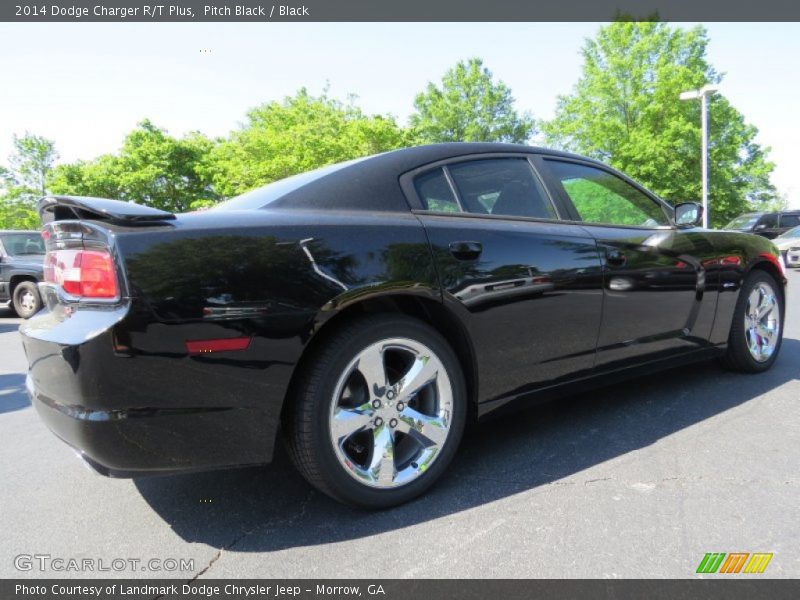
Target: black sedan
369, 310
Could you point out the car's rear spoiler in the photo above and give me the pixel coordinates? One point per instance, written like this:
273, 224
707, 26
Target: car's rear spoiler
60, 208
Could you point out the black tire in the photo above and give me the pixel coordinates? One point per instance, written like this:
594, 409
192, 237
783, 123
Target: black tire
26, 300
307, 430
738, 356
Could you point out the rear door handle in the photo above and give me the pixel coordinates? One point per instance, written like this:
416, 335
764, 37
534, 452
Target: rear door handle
466, 250
615, 258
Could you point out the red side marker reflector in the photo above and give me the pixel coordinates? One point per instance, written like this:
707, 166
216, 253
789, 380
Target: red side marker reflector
194, 347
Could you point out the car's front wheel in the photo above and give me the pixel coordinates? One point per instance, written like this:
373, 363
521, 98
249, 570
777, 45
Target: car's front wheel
378, 412
757, 328
26, 299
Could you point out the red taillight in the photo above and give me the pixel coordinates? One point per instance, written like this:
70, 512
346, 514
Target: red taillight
82, 273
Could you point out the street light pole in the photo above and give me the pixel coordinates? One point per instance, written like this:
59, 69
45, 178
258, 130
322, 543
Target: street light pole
704, 152
703, 94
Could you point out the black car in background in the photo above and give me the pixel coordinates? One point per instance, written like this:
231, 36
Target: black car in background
21, 268
767, 224
369, 310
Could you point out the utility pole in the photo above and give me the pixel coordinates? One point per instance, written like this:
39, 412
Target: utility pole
703, 94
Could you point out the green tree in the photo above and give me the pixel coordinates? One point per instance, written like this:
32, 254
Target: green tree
469, 106
625, 111
152, 168
300, 133
32, 161
15, 213
24, 182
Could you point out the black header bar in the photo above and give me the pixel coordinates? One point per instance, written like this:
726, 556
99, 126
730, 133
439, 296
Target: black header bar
396, 10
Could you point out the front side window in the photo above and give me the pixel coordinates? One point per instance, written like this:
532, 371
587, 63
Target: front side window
502, 187
601, 197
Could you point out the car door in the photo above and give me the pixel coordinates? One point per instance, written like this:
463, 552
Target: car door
527, 286
658, 299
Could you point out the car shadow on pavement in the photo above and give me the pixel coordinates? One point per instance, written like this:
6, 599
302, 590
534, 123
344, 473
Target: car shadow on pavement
12, 392
8, 327
272, 508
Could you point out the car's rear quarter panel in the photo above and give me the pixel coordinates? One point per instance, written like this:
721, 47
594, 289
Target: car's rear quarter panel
282, 274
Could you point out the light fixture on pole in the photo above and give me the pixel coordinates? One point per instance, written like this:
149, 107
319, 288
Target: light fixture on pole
703, 93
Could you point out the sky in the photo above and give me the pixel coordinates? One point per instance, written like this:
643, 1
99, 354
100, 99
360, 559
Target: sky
85, 85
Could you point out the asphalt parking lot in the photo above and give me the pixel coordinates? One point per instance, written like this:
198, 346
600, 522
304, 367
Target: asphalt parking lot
636, 480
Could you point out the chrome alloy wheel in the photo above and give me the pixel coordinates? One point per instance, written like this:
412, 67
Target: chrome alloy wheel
28, 302
391, 413
762, 322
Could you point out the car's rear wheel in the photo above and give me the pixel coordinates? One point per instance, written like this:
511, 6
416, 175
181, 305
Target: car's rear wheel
26, 299
378, 412
757, 328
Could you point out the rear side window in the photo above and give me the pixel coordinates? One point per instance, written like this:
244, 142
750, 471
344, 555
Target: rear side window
790, 220
435, 192
502, 187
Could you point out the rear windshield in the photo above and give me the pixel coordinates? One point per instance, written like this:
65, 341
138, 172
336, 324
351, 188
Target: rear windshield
794, 232
743, 222
19, 244
261, 197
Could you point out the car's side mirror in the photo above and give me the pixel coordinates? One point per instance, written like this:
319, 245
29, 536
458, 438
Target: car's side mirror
761, 227
688, 213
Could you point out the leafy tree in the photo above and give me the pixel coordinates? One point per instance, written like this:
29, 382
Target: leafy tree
15, 213
469, 106
300, 133
24, 182
625, 110
152, 168
33, 158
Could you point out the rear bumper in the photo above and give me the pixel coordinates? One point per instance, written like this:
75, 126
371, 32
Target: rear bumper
132, 413
133, 443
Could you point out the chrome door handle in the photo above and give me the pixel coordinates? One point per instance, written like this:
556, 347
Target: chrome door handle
466, 250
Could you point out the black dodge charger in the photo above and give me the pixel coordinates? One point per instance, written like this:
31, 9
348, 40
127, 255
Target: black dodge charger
370, 309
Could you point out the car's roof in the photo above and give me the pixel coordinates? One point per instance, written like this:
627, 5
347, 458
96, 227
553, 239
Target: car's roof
2, 231
408, 159
405, 159
371, 182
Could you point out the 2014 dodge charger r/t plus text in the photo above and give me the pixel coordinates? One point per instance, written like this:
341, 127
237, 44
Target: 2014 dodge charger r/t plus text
369, 310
